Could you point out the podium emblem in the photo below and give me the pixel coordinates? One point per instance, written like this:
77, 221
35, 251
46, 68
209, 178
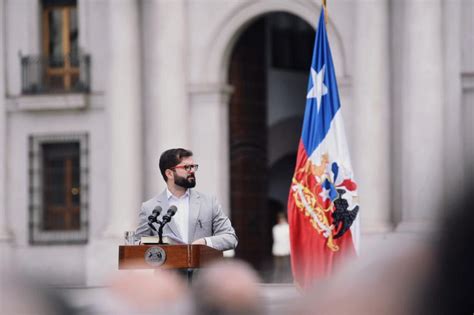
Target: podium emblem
155, 256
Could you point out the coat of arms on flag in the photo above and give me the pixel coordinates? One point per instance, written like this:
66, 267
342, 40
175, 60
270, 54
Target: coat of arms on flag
322, 203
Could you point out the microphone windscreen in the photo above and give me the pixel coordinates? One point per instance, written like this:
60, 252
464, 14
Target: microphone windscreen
172, 210
157, 210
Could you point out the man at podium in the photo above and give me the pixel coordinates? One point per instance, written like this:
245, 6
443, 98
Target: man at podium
199, 218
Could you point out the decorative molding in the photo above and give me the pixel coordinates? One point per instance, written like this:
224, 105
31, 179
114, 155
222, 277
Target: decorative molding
344, 81
205, 93
410, 226
371, 228
227, 32
52, 102
209, 88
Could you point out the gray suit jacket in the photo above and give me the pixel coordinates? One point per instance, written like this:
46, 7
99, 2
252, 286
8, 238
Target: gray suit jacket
206, 219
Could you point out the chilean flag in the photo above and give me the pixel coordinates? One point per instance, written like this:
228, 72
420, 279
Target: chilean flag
322, 203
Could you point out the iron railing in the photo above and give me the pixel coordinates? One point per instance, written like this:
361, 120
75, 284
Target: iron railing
55, 74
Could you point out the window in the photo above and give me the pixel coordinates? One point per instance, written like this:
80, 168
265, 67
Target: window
61, 67
60, 43
58, 189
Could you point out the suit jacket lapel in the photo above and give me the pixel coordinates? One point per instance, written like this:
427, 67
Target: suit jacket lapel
171, 226
174, 229
194, 208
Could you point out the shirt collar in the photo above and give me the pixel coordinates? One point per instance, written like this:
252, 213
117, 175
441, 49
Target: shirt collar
169, 195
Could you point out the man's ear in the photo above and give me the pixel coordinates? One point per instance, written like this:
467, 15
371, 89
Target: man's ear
169, 173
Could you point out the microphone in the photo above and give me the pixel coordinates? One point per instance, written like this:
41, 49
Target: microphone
155, 213
166, 218
171, 212
153, 217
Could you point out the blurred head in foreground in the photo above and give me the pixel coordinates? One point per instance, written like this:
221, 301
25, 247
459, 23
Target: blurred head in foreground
147, 293
409, 274
26, 295
387, 283
450, 290
229, 287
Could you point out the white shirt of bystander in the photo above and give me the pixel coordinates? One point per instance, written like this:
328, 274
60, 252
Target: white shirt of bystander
281, 239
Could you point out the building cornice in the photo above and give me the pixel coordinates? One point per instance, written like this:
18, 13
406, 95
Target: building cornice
50, 102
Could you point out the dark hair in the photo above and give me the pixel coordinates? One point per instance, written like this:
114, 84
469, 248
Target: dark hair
172, 157
281, 215
450, 288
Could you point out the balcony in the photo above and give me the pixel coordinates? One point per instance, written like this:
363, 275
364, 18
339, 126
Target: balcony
55, 74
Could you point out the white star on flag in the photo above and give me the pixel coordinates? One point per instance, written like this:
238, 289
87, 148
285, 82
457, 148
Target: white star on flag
318, 89
324, 194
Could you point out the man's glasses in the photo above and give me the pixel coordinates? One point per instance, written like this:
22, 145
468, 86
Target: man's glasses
187, 167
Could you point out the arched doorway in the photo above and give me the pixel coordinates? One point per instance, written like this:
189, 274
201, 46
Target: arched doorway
268, 70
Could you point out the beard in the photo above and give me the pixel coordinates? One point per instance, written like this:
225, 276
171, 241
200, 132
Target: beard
185, 182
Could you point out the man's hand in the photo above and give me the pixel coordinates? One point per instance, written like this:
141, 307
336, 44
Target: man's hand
200, 241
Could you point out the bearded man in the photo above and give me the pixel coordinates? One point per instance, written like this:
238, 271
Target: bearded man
199, 218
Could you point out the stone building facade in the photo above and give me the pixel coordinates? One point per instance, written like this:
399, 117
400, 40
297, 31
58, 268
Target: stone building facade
135, 77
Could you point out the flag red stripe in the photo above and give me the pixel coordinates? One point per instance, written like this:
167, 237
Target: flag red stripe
311, 258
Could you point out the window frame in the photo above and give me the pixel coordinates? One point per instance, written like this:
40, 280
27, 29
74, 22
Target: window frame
67, 71
38, 236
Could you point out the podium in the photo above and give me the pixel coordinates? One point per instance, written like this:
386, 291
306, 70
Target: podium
166, 256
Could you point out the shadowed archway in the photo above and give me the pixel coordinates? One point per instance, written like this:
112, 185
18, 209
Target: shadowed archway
268, 71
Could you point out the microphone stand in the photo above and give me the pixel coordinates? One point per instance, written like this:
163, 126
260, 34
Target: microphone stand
160, 230
150, 224
162, 223
160, 233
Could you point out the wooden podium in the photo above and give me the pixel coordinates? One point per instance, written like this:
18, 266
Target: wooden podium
166, 256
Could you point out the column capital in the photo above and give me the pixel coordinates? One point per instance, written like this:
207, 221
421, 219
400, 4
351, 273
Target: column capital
206, 88
204, 92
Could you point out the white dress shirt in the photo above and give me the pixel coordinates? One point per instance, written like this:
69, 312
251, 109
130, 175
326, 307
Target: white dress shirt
181, 218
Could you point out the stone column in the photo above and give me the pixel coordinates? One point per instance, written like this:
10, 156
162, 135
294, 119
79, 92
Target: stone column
210, 140
124, 113
455, 164
421, 128
371, 114
123, 101
4, 234
167, 115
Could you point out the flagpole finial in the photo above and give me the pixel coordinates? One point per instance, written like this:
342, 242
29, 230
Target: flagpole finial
325, 12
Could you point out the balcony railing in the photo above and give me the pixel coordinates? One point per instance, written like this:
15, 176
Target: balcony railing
55, 74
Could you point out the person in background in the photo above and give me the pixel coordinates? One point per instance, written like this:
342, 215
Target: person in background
281, 249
